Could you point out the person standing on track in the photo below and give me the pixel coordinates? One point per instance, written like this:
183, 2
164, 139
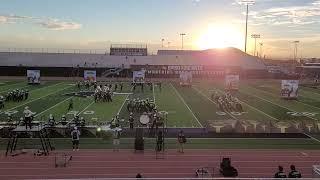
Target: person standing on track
75, 137
159, 141
131, 120
181, 141
116, 139
70, 105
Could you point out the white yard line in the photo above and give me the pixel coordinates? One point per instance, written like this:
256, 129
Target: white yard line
154, 97
277, 104
86, 108
47, 87
125, 100
309, 91
11, 89
295, 101
53, 106
37, 99
255, 109
181, 98
33, 89
201, 93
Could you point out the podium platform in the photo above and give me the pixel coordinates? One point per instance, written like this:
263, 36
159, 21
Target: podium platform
37, 131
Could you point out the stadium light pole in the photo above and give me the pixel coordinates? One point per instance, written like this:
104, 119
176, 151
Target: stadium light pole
162, 40
247, 3
182, 34
261, 44
295, 50
255, 36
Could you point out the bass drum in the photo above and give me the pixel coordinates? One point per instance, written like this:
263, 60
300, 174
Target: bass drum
144, 119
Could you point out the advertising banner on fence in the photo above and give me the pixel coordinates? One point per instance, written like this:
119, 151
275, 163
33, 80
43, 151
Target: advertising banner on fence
90, 75
33, 76
289, 89
185, 78
232, 82
138, 76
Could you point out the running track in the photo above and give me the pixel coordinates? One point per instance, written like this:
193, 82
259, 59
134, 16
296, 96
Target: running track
126, 163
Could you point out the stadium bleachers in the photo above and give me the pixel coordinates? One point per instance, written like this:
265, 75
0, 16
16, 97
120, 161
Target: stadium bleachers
223, 58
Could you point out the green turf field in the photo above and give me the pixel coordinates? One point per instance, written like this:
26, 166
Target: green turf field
264, 110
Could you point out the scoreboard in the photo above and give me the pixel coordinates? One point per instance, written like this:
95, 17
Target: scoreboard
128, 50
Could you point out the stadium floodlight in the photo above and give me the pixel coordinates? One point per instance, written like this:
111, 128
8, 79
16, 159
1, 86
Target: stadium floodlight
247, 3
295, 50
255, 36
182, 34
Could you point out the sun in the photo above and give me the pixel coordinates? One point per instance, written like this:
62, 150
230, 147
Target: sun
220, 36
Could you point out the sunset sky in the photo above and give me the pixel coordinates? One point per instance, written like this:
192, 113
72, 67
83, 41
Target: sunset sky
94, 24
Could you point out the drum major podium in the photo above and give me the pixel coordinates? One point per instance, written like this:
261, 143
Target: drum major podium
36, 132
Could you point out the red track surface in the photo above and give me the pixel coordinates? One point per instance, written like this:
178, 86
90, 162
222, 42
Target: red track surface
126, 164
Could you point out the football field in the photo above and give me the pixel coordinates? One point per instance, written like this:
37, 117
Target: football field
189, 107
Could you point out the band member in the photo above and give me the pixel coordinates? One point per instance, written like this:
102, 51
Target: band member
51, 121
27, 117
70, 105
1, 102
64, 120
160, 141
121, 86
26, 94
115, 87
131, 120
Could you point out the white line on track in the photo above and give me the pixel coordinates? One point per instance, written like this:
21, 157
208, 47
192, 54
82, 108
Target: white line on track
181, 98
38, 98
53, 106
201, 93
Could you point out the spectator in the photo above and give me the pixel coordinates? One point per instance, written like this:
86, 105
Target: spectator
116, 139
294, 173
75, 136
159, 141
280, 173
181, 141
